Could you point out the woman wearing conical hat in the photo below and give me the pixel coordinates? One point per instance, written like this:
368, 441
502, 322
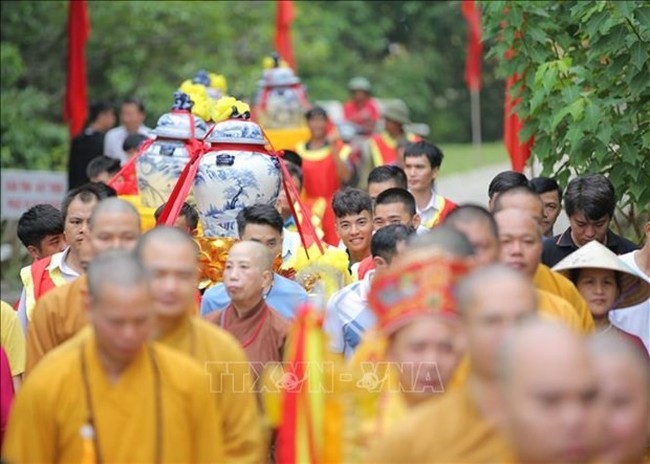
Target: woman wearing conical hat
606, 283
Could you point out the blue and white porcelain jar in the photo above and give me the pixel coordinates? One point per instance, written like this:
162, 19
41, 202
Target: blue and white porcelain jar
161, 165
230, 178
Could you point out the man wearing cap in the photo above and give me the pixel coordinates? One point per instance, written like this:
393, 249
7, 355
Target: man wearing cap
387, 147
326, 165
460, 426
361, 110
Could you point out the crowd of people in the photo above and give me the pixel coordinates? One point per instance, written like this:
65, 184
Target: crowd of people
471, 334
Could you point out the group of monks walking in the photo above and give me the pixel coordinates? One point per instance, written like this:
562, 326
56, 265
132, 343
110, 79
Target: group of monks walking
458, 333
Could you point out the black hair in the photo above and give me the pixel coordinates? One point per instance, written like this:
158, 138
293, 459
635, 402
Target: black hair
472, 213
134, 101
188, 211
292, 157
593, 194
133, 141
296, 171
506, 180
397, 195
316, 111
102, 164
384, 241
259, 214
545, 184
96, 109
349, 201
387, 173
425, 148
86, 193
38, 222
518, 190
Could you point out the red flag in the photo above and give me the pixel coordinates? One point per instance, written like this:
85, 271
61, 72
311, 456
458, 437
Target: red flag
76, 104
283, 22
474, 46
519, 152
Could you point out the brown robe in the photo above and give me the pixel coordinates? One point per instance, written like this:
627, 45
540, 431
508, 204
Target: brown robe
261, 333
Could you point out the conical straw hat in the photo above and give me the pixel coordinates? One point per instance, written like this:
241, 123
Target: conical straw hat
634, 289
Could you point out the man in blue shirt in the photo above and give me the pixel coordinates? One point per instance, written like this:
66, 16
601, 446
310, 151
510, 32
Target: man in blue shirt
263, 224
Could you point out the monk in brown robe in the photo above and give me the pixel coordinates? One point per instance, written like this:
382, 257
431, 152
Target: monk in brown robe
260, 330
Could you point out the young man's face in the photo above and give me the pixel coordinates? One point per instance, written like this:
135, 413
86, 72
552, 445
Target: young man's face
375, 188
355, 231
584, 230
131, 116
50, 245
318, 126
394, 213
552, 210
264, 234
419, 173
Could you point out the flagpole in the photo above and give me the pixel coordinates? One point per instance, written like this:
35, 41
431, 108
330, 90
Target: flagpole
476, 122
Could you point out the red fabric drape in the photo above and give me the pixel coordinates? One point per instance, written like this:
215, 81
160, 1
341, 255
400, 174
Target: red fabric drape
283, 22
519, 151
76, 104
474, 46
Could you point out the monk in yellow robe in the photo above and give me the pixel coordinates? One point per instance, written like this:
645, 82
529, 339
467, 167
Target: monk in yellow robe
520, 238
109, 395
461, 426
60, 314
549, 392
527, 200
170, 255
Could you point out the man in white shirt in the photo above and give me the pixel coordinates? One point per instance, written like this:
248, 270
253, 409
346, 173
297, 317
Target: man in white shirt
636, 319
132, 116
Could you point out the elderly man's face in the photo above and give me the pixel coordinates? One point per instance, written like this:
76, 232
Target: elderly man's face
243, 277
626, 406
520, 240
551, 407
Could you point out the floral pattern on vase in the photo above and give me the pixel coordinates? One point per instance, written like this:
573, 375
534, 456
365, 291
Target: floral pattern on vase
229, 180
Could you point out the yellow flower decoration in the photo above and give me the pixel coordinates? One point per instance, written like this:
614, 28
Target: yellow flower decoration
321, 273
218, 81
226, 107
269, 63
199, 94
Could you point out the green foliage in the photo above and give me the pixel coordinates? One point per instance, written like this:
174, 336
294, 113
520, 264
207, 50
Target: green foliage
414, 50
585, 94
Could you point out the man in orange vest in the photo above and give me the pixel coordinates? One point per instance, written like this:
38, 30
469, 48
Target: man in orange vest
422, 161
326, 166
55, 270
387, 147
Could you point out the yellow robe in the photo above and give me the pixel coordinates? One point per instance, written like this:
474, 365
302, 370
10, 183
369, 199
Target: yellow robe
230, 383
51, 408
12, 338
553, 307
58, 316
554, 282
449, 429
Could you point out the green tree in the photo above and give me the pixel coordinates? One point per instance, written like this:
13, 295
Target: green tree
585, 92
414, 50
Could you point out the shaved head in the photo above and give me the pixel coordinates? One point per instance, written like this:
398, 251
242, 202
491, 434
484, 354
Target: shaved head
168, 235
548, 386
113, 206
116, 268
623, 374
260, 253
523, 198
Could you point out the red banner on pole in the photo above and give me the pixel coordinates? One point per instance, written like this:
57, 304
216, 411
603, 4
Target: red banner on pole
474, 46
76, 103
283, 20
519, 151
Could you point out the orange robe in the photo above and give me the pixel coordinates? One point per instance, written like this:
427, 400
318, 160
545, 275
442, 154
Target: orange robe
230, 383
51, 408
58, 316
